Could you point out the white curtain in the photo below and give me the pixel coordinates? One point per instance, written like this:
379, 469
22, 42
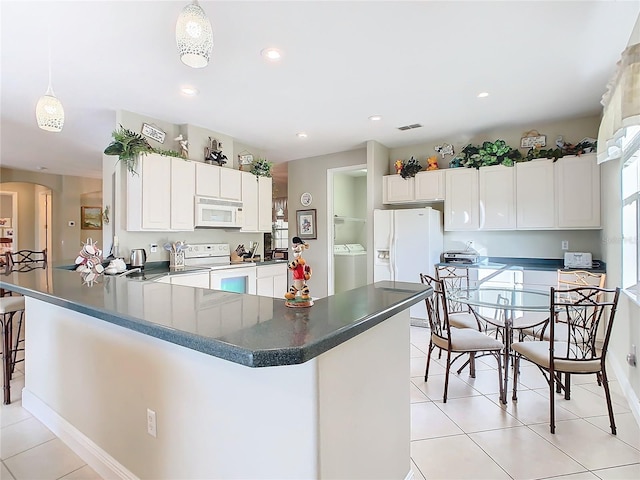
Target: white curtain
621, 105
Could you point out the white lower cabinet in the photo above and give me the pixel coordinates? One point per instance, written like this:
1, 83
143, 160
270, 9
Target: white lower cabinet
461, 202
541, 280
197, 280
271, 280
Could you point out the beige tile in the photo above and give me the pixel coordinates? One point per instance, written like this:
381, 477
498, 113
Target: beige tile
416, 394
420, 337
428, 421
627, 429
588, 444
4, 473
620, 473
455, 457
434, 388
51, 460
614, 387
17, 384
486, 381
417, 475
21, 436
576, 476
584, 403
531, 407
12, 413
416, 352
418, 366
523, 454
530, 377
83, 473
475, 414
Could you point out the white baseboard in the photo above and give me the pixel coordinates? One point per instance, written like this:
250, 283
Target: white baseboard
623, 380
103, 463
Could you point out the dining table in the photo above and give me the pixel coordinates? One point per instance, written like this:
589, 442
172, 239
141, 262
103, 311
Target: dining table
507, 309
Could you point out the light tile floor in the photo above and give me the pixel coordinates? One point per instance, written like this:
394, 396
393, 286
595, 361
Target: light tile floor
471, 436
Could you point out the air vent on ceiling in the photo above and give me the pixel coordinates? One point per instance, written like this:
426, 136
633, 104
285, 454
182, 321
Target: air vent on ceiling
409, 127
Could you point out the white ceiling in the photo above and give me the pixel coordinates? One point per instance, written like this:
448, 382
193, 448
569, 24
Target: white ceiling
411, 62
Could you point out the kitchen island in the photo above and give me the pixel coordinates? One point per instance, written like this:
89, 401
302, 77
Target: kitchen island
240, 386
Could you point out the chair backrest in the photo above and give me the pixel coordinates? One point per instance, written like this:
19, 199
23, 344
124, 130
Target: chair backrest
454, 278
436, 307
585, 308
568, 279
26, 260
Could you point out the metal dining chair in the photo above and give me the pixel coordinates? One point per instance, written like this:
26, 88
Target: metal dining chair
12, 306
584, 308
457, 278
452, 340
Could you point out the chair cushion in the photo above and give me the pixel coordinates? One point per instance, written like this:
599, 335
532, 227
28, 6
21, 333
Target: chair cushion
530, 319
11, 304
538, 353
463, 320
467, 340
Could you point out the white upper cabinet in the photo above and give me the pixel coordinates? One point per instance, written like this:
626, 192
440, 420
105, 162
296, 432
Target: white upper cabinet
230, 184
207, 180
461, 202
265, 204
429, 186
535, 196
183, 189
256, 203
578, 191
396, 189
149, 194
497, 195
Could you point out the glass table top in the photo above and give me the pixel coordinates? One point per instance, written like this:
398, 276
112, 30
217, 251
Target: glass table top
503, 298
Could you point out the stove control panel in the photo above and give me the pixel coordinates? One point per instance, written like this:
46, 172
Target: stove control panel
204, 250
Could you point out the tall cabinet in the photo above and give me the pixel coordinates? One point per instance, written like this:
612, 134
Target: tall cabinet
535, 194
497, 196
578, 191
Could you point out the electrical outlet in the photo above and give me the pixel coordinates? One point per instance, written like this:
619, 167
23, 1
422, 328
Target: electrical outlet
151, 423
632, 359
153, 247
565, 244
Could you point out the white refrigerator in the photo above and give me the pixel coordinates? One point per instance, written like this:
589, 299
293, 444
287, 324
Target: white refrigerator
407, 242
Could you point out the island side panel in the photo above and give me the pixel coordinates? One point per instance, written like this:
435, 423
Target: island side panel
365, 405
215, 419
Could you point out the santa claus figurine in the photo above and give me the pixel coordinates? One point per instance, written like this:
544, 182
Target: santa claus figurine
298, 294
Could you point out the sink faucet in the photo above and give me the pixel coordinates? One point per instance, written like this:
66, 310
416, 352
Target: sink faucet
133, 270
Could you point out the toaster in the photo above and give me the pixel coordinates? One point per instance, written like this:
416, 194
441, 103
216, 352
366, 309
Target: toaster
577, 260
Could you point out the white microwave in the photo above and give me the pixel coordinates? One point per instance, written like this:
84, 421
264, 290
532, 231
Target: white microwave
213, 212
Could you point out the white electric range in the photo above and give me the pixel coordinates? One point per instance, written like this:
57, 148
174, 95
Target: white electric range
226, 276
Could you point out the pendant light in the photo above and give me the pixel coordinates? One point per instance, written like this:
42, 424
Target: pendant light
49, 111
194, 36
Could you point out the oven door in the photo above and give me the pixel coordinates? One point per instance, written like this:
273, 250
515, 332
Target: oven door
234, 279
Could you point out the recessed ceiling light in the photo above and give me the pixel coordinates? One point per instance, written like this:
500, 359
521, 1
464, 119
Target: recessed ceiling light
483, 94
189, 91
272, 54
375, 118
301, 135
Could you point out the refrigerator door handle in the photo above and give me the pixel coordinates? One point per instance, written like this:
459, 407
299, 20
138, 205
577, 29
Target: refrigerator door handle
392, 255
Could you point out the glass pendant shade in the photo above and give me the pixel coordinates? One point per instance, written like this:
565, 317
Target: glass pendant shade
194, 36
49, 112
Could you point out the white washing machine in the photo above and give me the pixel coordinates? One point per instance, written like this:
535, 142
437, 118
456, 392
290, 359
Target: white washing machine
350, 266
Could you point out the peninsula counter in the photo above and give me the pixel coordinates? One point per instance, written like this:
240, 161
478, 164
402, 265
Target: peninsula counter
330, 398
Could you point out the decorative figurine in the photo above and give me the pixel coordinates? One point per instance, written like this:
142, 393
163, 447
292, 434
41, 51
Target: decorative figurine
301, 273
184, 149
213, 153
432, 163
398, 165
444, 149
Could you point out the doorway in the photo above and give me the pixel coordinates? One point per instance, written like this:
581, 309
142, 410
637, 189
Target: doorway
43, 220
8, 222
347, 232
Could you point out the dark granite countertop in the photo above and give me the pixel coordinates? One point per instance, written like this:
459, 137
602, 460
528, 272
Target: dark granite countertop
542, 264
264, 332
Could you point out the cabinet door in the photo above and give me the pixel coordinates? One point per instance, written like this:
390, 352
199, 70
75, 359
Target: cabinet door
396, 189
535, 204
249, 202
429, 186
207, 180
197, 280
280, 283
265, 203
461, 202
156, 192
539, 279
183, 188
264, 287
497, 195
578, 191
230, 184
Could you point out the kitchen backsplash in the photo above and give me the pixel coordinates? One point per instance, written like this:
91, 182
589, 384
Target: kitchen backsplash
530, 243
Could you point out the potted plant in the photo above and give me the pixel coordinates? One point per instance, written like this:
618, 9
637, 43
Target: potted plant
410, 168
129, 145
260, 167
489, 153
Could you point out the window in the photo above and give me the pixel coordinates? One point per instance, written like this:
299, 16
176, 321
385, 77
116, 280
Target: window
631, 211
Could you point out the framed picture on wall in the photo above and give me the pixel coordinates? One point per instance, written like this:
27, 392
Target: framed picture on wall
91, 218
306, 224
